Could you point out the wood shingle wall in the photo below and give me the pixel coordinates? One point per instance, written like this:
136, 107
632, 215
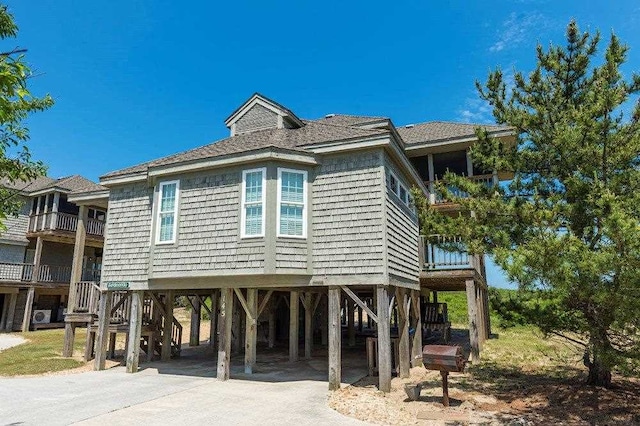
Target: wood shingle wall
209, 229
348, 215
127, 242
402, 231
257, 118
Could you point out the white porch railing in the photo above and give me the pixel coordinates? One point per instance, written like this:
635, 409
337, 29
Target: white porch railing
63, 222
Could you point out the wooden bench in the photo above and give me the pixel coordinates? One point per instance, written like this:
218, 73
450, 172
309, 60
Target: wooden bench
436, 318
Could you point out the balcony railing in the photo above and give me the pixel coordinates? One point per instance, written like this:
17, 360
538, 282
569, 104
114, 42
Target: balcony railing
442, 253
63, 222
434, 198
58, 274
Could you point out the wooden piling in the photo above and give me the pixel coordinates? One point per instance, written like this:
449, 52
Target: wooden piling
135, 330
224, 339
384, 340
335, 338
294, 304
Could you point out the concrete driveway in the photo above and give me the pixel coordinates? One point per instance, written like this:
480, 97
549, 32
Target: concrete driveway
176, 392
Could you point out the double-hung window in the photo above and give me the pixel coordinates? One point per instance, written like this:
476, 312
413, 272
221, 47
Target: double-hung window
292, 203
167, 220
253, 197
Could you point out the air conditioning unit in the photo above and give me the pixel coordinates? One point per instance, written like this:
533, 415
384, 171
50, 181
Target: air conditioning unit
42, 316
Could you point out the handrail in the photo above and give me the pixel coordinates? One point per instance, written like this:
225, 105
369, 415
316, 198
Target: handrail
26, 272
438, 257
63, 222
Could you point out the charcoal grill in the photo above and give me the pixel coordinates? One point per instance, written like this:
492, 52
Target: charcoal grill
445, 359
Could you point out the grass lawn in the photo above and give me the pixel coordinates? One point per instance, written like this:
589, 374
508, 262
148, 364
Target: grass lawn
42, 353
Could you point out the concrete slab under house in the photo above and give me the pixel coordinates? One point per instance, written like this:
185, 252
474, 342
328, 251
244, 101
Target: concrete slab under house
290, 233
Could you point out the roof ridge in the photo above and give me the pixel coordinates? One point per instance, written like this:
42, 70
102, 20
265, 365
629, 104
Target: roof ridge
350, 127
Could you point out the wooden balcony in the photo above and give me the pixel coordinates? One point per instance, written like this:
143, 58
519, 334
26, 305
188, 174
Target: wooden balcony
64, 222
446, 264
44, 274
436, 199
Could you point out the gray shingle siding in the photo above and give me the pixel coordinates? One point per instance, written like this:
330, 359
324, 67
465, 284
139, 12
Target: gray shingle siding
209, 229
291, 253
402, 231
16, 227
126, 247
257, 118
348, 215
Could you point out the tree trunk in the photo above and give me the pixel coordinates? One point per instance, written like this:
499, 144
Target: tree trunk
599, 374
599, 371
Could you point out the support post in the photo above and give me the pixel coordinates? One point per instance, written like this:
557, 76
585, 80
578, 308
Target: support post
335, 338
351, 327
28, 309
473, 319
213, 317
294, 304
69, 337
324, 321
167, 326
360, 326
194, 330
224, 339
272, 323
384, 340
135, 329
78, 256
487, 313
416, 353
13, 299
308, 330
403, 330
104, 315
251, 331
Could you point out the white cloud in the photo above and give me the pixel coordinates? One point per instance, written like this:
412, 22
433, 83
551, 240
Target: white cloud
516, 29
475, 110
478, 111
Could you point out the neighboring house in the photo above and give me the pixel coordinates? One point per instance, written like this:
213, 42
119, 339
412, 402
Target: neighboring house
284, 207
37, 248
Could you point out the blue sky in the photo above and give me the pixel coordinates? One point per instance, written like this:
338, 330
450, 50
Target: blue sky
137, 80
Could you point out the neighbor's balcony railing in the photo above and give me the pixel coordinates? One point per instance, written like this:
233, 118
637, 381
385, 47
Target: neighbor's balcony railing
442, 253
434, 198
26, 272
63, 222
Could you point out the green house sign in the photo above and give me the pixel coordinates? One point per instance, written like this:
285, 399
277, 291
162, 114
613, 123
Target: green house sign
117, 285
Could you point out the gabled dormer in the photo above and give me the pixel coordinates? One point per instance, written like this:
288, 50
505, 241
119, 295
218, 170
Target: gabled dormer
260, 113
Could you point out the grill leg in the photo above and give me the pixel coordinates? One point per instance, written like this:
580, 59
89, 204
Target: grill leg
445, 388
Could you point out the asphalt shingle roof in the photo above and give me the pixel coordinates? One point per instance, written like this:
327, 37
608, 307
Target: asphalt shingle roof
290, 139
74, 183
435, 131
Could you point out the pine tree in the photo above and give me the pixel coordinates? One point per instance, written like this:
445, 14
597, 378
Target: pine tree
567, 227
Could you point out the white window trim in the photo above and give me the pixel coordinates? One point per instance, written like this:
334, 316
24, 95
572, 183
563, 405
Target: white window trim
399, 185
159, 211
243, 203
305, 183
